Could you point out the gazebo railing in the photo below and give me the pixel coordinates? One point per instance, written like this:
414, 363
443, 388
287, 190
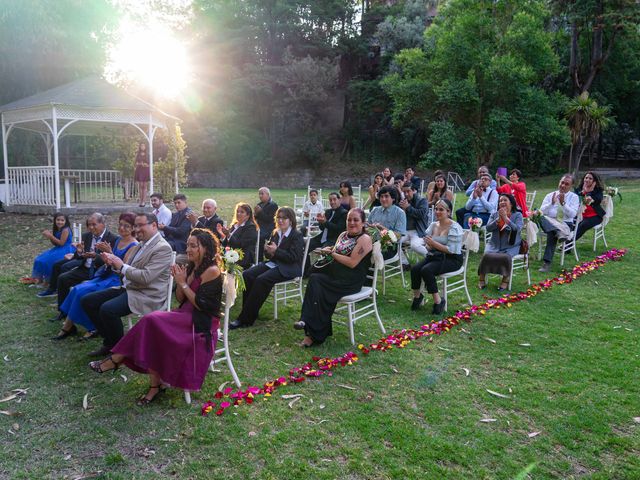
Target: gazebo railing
36, 186
32, 186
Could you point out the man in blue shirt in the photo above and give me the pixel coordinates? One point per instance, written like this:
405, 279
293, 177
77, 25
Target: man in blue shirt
388, 216
482, 202
461, 212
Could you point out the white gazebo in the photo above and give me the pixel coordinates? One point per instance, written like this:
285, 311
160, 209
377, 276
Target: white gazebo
90, 106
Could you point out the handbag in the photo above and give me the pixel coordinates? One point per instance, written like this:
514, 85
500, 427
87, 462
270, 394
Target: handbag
524, 247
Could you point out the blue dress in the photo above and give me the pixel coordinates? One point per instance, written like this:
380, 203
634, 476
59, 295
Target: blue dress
43, 263
104, 278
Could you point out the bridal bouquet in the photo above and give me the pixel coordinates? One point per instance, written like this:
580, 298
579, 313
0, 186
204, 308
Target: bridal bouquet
474, 224
387, 238
230, 259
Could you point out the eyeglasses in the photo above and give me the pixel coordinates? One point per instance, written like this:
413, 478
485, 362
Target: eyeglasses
139, 225
126, 226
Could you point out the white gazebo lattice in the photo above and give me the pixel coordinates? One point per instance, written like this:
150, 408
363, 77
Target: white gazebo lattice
84, 107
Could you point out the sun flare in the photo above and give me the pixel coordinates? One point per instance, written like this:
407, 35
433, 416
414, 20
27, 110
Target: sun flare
150, 56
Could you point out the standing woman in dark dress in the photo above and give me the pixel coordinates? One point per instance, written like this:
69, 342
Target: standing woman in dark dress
345, 275
175, 348
241, 234
590, 192
142, 173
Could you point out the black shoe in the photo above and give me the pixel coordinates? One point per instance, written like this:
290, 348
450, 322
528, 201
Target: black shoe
101, 352
406, 267
417, 302
299, 325
237, 324
65, 333
60, 317
438, 308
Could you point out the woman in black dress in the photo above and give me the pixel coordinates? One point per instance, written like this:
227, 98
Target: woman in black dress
241, 234
591, 193
345, 275
142, 173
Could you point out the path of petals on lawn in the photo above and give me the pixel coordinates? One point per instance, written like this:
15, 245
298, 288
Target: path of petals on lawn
320, 367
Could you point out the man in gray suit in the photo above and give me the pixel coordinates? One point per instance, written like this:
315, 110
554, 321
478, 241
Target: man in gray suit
145, 277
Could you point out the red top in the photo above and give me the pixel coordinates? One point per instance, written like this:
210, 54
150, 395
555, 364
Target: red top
589, 212
519, 191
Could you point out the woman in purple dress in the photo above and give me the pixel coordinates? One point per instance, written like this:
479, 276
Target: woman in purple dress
175, 348
142, 173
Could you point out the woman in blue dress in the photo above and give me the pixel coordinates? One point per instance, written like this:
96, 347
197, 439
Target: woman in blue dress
104, 278
61, 238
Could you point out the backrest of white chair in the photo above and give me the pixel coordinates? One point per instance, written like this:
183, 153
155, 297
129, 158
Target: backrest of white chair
422, 186
607, 205
257, 252
372, 274
465, 250
76, 232
451, 188
298, 201
357, 194
307, 241
531, 197
167, 305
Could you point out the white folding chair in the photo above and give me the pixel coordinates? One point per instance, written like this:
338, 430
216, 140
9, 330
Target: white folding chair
520, 261
167, 302
223, 335
76, 232
361, 304
422, 185
598, 230
461, 284
531, 197
298, 206
256, 260
357, 194
283, 291
393, 267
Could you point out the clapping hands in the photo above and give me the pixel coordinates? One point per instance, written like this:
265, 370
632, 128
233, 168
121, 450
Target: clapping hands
179, 274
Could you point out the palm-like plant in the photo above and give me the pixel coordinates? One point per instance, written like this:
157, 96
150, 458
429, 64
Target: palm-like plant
586, 120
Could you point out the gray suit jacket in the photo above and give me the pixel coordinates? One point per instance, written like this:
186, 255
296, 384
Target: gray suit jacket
148, 276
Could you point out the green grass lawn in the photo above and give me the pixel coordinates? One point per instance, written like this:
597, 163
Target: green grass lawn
410, 413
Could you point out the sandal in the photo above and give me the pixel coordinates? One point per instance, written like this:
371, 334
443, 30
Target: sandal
503, 286
143, 401
96, 366
65, 333
304, 344
482, 285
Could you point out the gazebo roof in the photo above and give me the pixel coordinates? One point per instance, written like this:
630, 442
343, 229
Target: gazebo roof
91, 102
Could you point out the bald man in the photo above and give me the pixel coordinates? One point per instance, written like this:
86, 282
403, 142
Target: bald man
209, 218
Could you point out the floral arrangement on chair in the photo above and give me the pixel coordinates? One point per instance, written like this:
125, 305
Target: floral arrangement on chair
613, 192
475, 224
230, 259
536, 217
386, 237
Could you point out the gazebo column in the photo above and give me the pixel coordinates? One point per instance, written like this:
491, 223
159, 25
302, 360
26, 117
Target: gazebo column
150, 135
56, 162
5, 135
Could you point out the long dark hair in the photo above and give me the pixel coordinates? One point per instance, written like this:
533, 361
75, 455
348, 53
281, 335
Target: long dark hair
443, 191
512, 201
346, 185
596, 180
248, 210
211, 246
66, 222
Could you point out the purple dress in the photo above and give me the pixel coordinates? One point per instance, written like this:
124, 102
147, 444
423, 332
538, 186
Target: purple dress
166, 342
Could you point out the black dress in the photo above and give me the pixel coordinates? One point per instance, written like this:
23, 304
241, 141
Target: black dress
326, 286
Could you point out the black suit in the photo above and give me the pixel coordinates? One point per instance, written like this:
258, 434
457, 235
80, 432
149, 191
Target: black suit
336, 224
210, 224
266, 222
245, 239
81, 273
261, 278
177, 232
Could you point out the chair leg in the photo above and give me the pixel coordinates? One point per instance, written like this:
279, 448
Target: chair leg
384, 281
352, 334
575, 251
187, 397
604, 239
230, 362
511, 275
275, 302
444, 290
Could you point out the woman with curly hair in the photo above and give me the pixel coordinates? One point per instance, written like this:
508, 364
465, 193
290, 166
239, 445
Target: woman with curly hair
175, 348
591, 194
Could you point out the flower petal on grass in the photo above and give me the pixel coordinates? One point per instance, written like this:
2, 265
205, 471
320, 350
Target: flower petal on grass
466, 371
293, 401
346, 386
294, 395
497, 394
533, 434
124, 378
488, 420
490, 340
524, 344
85, 401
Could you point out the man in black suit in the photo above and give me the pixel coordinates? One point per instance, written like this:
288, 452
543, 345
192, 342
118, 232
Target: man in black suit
285, 250
264, 213
87, 252
332, 224
177, 232
209, 218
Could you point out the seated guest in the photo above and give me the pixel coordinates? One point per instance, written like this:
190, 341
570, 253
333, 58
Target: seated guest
60, 237
482, 202
104, 278
175, 348
590, 192
432, 183
378, 183
345, 275
410, 176
388, 176
560, 209
160, 210
417, 211
145, 277
284, 251
209, 218
443, 242
398, 182
88, 251
505, 226
347, 200
331, 223
388, 216
242, 234
311, 208
177, 232
265, 212
482, 169
516, 187
439, 190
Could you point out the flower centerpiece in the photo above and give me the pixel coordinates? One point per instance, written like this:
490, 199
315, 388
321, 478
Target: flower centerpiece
475, 224
230, 259
386, 237
613, 192
536, 217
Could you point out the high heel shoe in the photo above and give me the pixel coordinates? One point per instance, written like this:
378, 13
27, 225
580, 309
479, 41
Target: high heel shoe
65, 333
143, 401
417, 302
97, 365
